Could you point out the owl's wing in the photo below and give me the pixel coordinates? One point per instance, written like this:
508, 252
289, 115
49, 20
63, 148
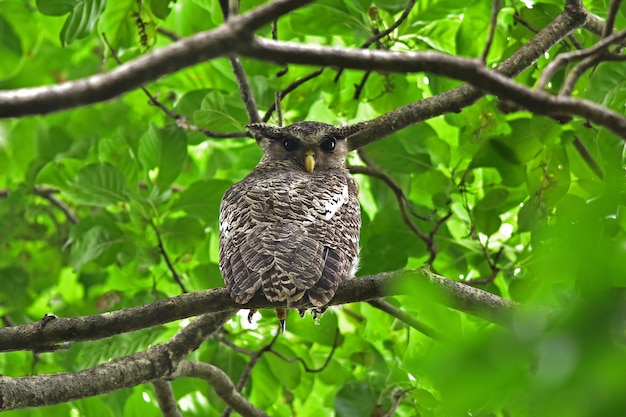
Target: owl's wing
341, 244
289, 236
241, 282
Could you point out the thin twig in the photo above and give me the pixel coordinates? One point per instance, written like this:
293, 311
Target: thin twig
397, 394
304, 365
48, 194
179, 119
247, 372
165, 398
381, 34
564, 59
166, 257
610, 17
407, 318
587, 157
169, 33
297, 83
222, 385
495, 9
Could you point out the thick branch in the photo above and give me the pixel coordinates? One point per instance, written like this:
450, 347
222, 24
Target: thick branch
155, 363
222, 385
165, 398
456, 295
469, 70
456, 99
127, 77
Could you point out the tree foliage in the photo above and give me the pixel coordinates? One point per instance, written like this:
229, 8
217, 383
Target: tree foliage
494, 155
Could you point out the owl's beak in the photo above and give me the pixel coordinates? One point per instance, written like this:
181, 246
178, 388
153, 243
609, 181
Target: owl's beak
309, 161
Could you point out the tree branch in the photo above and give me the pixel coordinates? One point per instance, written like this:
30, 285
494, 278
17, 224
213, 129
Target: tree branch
154, 363
165, 398
456, 99
222, 385
451, 293
147, 68
469, 70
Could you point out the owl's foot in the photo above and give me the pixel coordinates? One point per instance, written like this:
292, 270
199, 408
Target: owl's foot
281, 315
250, 314
317, 312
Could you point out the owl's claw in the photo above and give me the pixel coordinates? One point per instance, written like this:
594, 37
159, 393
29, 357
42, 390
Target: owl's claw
282, 326
250, 314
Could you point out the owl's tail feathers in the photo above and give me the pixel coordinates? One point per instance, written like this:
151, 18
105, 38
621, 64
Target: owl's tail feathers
281, 314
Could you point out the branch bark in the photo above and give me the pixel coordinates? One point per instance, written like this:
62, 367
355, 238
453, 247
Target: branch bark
155, 363
150, 67
222, 385
420, 283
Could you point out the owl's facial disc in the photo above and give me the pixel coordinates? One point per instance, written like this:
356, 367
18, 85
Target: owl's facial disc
309, 161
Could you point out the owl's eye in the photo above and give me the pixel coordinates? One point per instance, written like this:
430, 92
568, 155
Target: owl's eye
290, 144
329, 145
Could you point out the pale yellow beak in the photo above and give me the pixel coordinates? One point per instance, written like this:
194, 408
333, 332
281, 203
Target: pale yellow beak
309, 161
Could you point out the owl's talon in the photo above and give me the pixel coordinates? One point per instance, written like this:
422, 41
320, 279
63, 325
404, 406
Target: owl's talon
282, 326
250, 314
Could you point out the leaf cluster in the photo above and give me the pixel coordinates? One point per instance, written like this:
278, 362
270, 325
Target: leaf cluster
115, 205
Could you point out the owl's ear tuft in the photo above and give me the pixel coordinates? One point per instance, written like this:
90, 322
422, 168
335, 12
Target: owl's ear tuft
350, 130
259, 130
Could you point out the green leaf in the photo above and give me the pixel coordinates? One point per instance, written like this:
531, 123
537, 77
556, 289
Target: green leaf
221, 112
10, 49
56, 7
474, 29
548, 176
288, 373
81, 21
355, 399
492, 199
165, 151
117, 23
101, 184
202, 199
160, 8
182, 234
486, 222
607, 86
90, 246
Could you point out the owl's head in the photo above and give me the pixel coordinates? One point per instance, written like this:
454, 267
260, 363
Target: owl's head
306, 146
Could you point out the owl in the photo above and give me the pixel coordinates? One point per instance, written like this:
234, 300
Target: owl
290, 229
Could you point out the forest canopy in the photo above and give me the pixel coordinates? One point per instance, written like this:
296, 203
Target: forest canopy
492, 188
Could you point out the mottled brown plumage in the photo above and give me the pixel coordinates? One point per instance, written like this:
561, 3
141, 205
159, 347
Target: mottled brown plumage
290, 229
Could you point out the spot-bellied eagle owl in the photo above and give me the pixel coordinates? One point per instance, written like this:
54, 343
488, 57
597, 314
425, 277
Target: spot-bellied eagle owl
290, 229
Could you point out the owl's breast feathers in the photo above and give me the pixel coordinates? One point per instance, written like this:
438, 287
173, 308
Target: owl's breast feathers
289, 234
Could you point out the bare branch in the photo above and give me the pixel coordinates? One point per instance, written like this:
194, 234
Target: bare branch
564, 59
471, 71
610, 17
452, 293
247, 372
495, 9
154, 363
222, 385
454, 100
166, 257
179, 55
304, 365
166, 399
48, 194
289, 89
245, 90
407, 318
